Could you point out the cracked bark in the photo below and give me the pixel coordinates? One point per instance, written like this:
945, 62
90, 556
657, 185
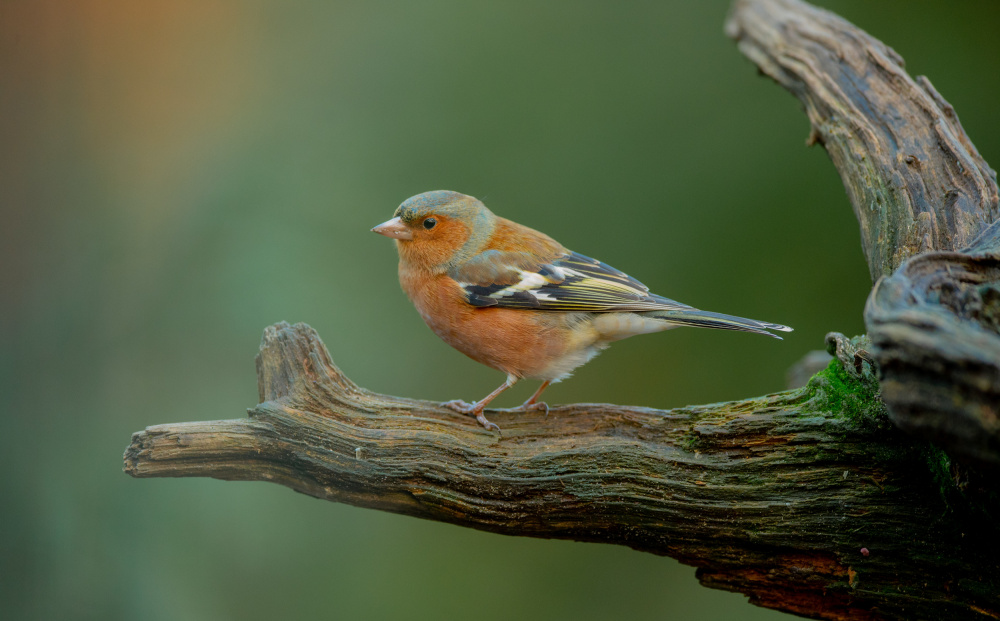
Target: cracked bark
809, 501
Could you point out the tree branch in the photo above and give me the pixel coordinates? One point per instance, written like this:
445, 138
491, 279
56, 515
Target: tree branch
808, 501
917, 184
915, 180
774, 497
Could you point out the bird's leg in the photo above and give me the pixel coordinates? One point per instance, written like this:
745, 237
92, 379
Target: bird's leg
533, 403
477, 409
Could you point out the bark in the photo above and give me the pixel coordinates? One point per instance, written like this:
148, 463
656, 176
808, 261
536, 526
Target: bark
935, 326
809, 501
915, 180
778, 497
917, 185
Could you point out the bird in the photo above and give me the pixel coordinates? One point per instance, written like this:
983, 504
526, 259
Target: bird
516, 300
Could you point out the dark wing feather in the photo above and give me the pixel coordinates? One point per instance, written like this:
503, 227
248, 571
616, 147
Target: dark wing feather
571, 283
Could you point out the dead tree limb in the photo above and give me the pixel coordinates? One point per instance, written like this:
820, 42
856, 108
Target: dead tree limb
915, 180
917, 185
778, 497
809, 501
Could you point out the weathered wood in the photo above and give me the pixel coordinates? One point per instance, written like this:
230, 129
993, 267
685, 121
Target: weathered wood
808, 501
915, 180
917, 184
935, 327
774, 497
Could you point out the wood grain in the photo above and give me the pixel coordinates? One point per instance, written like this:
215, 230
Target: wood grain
870, 493
915, 180
774, 497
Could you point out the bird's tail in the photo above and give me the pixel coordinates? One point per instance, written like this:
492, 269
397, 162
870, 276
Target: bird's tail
707, 319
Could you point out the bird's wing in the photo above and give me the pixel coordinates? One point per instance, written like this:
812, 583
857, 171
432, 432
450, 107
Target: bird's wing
569, 282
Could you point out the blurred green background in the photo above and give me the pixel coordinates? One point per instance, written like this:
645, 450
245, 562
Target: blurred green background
175, 176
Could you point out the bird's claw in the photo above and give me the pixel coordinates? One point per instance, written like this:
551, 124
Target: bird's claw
464, 407
485, 423
528, 406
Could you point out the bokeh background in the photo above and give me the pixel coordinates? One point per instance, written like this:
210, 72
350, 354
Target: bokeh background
175, 176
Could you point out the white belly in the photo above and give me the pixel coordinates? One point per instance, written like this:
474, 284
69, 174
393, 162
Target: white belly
595, 333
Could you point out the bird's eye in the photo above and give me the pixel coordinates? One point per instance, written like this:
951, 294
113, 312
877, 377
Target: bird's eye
430, 223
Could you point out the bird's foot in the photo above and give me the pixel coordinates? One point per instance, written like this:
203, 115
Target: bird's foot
464, 407
485, 423
530, 405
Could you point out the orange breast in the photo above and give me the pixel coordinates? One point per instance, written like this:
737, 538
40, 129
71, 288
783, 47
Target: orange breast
519, 342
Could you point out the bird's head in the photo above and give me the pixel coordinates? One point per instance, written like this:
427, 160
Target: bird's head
438, 229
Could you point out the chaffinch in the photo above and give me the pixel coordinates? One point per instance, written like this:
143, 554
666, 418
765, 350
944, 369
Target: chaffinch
518, 301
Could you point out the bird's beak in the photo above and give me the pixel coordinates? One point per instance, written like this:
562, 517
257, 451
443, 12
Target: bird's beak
394, 228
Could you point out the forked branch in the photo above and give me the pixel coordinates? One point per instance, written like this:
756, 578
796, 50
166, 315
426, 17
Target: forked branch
808, 501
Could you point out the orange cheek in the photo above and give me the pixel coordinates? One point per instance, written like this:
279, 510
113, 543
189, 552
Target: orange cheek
436, 246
